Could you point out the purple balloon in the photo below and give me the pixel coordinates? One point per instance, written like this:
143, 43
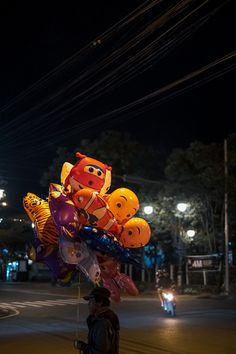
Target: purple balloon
63, 211
49, 255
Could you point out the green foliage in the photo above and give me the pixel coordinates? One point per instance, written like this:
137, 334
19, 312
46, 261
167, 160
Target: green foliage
127, 157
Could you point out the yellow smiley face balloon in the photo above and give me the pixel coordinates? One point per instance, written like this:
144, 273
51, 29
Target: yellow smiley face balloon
123, 203
136, 233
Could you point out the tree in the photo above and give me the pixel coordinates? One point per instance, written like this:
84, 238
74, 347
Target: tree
129, 159
197, 176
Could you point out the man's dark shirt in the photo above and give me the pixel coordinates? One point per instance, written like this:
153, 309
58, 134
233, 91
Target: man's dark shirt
103, 336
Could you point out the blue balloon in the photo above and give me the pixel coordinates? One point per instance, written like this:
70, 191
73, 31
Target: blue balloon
103, 242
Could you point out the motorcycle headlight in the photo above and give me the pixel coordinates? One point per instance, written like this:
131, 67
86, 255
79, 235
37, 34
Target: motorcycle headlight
169, 296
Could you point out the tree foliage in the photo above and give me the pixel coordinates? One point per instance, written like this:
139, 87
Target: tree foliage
127, 157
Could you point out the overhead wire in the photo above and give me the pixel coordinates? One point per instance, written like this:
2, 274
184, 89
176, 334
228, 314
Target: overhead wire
146, 103
80, 79
114, 115
117, 82
65, 65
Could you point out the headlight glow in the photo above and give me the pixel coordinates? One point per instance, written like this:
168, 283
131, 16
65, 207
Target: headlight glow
168, 296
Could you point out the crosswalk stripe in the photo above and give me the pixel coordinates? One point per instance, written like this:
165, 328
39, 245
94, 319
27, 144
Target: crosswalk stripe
6, 304
48, 303
30, 303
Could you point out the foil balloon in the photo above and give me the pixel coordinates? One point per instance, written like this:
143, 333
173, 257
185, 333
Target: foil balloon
123, 203
136, 233
88, 173
39, 213
63, 211
49, 255
113, 279
100, 241
75, 251
65, 171
118, 285
94, 211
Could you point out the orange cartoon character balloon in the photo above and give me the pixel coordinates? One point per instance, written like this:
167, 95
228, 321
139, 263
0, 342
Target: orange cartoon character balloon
88, 173
136, 233
94, 211
123, 203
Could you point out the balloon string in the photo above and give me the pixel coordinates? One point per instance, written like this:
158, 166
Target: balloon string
78, 310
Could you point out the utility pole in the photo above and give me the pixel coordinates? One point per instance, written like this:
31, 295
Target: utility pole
226, 219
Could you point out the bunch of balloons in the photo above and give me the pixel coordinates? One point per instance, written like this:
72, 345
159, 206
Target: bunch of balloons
82, 227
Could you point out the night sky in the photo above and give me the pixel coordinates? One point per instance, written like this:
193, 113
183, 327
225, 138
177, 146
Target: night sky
98, 60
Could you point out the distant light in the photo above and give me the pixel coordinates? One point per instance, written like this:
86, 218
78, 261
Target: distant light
4, 204
32, 225
148, 209
182, 207
5, 251
191, 233
2, 193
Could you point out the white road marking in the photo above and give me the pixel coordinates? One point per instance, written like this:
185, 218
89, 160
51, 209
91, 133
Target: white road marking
49, 303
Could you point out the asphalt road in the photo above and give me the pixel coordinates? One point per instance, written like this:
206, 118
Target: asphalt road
46, 320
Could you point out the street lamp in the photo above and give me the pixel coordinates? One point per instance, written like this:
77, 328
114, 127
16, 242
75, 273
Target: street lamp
148, 209
182, 207
2, 193
191, 233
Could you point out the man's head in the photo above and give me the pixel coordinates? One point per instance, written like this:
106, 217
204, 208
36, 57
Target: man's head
97, 298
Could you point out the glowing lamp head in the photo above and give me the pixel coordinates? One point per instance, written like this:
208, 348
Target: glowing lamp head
148, 209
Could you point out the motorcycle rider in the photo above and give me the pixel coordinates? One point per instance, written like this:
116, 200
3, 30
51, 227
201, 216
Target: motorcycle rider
163, 282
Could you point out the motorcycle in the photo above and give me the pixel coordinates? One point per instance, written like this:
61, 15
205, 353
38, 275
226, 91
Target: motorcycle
169, 302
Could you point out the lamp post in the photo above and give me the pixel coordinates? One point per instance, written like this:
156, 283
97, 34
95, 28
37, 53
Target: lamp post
181, 207
191, 235
2, 193
148, 210
226, 219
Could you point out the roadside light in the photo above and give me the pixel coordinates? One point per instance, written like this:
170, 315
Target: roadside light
148, 209
191, 233
2, 193
182, 207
